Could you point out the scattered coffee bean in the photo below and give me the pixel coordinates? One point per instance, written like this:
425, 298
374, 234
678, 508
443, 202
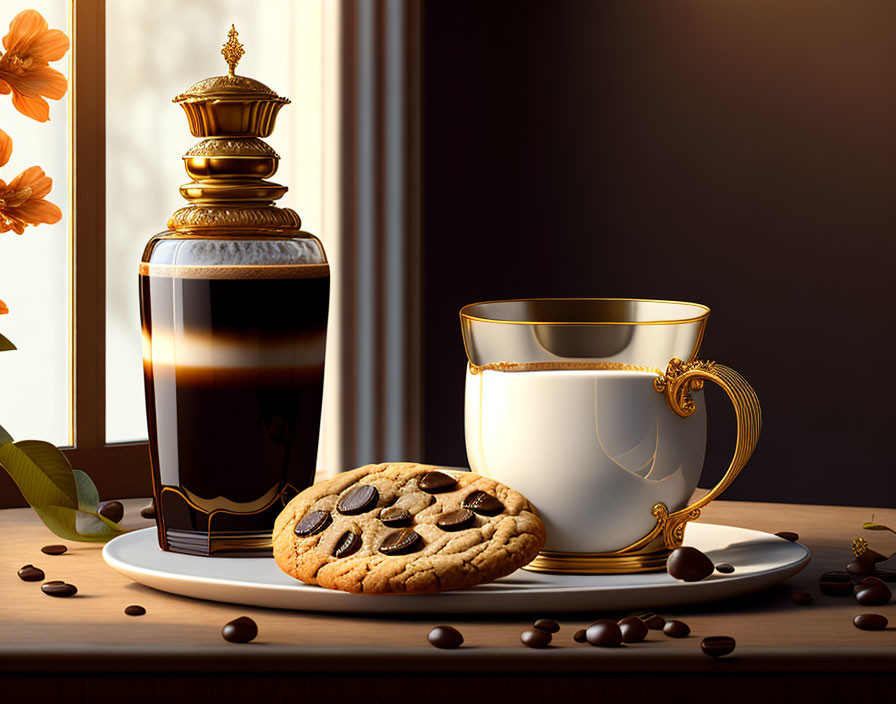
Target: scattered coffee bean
835, 584
359, 500
149, 511
112, 511
55, 581
717, 646
871, 556
870, 622
653, 621
483, 504
788, 535
401, 542
725, 568
870, 581
677, 629
134, 610
873, 594
436, 482
58, 588
860, 568
802, 598
347, 544
240, 630
311, 523
546, 624
395, 517
53, 549
536, 638
633, 629
445, 637
689, 565
30, 573
579, 636
604, 634
456, 520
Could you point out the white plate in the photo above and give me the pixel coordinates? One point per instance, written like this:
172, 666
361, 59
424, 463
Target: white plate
760, 560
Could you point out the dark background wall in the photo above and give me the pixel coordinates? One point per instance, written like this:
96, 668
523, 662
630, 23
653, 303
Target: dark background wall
740, 154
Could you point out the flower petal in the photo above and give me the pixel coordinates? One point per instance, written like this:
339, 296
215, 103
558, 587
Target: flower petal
24, 29
33, 178
3, 308
50, 46
37, 82
36, 211
36, 108
5, 148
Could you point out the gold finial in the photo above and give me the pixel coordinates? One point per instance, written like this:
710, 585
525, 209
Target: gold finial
232, 51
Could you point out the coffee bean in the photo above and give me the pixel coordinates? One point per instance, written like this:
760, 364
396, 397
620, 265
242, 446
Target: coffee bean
396, 517
240, 630
835, 584
717, 646
802, 598
134, 610
604, 634
58, 588
359, 500
653, 621
401, 542
788, 535
312, 523
873, 594
860, 568
633, 629
870, 581
689, 565
870, 622
436, 482
55, 581
482, 503
579, 636
445, 637
53, 549
30, 573
347, 544
149, 511
536, 638
677, 629
456, 520
725, 568
872, 557
112, 511
546, 624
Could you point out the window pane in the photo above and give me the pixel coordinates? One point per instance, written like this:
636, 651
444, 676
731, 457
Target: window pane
35, 279
156, 49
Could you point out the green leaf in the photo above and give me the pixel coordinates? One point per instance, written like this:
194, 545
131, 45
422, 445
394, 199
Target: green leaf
877, 526
5, 437
88, 496
5, 344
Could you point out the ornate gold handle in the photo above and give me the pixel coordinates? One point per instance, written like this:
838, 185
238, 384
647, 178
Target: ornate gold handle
677, 383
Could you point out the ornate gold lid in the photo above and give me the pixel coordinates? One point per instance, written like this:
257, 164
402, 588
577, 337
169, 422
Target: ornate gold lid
228, 167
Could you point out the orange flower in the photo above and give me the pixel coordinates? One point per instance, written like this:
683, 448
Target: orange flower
22, 201
3, 308
30, 46
5, 148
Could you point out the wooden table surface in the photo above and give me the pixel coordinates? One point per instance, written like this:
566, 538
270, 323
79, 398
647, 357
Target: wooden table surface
87, 645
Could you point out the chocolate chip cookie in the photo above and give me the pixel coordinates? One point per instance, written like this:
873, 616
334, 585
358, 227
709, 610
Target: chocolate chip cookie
405, 528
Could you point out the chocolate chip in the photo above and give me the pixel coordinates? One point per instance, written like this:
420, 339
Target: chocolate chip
359, 500
788, 535
835, 584
401, 542
395, 517
312, 523
536, 638
53, 549
546, 624
870, 622
482, 503
112, 511
689, 565
717, 646
725, 568
677, 629
149, 511
30, 573
348, 544
457, 520
653, 621
802, 598
874, 593
58, 588
134, 610
445, 637
436, 482
240, 630
633, 629
579, 636
604, 633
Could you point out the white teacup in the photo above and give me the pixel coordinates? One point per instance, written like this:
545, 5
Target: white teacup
608, 450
